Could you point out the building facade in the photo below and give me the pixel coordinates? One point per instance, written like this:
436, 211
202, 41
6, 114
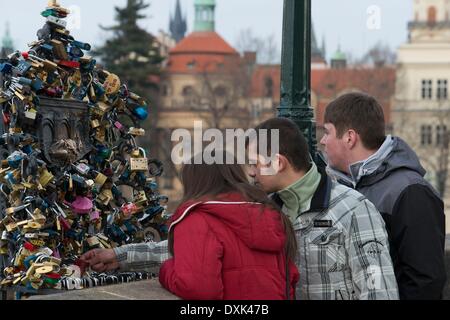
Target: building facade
206, 79
421, 112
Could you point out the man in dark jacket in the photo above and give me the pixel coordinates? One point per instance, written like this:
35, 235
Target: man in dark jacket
388, 172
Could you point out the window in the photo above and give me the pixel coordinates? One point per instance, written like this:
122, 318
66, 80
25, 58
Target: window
188, 91
191, 64
427, 89
432, 13
441, 135
426, 137
165, 90
442, 92
268, 87
220, 91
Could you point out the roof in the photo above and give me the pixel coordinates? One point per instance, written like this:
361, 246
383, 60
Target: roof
202, 52
339, 55
328, 84
203, 42
204, 2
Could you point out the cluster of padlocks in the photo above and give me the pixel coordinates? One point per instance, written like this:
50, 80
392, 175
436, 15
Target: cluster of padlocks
72, 176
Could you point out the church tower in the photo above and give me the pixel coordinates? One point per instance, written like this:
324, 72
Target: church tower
431, 21
204, 15
7, 43
178, 25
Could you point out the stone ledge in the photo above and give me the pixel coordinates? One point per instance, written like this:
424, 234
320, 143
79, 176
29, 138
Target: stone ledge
141, 290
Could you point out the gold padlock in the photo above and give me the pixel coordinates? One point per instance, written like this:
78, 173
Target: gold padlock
59, 50
105, 197
103, 106
136, 131
11, 227
138, 164
45, 177
34, 225
100, 180
95, 124
15, 130
141, 199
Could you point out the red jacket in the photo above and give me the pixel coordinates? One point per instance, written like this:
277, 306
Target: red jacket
229, 250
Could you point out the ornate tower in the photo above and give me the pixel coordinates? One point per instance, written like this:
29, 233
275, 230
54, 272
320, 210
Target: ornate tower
204, 15
7, 43
431, 21
178, 26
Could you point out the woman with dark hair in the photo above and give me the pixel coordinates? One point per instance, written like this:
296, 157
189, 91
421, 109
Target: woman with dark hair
228, 240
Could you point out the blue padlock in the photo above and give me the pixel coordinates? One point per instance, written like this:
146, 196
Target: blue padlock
27, 149
81, 45
15, 159
47, 47
140, 112
99, 89
37, 84
23, 67
9, 177
5, 67
76, 52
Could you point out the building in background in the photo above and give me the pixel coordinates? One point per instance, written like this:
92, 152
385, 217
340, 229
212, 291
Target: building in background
421, 112
178, 24
7, 43
206, 79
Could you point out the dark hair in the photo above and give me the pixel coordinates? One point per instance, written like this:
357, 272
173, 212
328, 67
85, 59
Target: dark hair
209, 181
360, 112
293, 144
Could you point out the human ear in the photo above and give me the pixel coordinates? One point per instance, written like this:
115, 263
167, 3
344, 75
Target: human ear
351, 138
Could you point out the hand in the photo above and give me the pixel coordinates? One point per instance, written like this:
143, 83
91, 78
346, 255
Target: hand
101, 260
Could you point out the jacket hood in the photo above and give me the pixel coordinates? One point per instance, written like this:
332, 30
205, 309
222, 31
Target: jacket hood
399, 155
259, 227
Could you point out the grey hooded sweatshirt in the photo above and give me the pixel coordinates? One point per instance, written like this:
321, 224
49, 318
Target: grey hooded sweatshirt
393, 180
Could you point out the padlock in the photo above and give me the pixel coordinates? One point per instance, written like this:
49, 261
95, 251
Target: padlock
95, 124
59, 50
138, 160
82, 168
93, 241
100, 180
136, 131
112, 84
45, 177
141, 199
82, 205
105, 197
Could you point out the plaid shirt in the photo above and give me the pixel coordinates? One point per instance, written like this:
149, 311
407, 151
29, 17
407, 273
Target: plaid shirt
343, 248
143, 257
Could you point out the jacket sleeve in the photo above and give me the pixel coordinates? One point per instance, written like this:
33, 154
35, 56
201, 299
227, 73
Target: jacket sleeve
368, 253
195, 271
418, 243
143, 257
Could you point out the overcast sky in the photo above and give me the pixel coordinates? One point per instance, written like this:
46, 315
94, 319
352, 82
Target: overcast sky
340, 21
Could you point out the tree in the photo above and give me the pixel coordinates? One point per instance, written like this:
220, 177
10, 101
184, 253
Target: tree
379, 55
133, 54
266, 48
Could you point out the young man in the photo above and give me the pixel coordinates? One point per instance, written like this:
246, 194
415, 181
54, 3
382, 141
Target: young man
343, 246
388, 172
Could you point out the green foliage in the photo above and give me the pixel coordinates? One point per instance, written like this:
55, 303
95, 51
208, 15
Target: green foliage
131, 52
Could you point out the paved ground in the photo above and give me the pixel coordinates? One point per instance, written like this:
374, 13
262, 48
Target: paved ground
142, 290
